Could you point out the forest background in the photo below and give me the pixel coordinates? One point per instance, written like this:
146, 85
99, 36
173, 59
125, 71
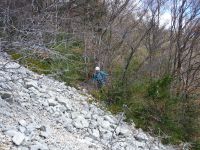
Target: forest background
153, 63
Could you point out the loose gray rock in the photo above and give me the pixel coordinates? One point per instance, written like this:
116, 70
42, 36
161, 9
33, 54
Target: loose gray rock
22, 129
65, 102
22, 148
11, 133
93, 124
31, 127
123, 131
80, 122
39, 146
141, 137
107, 135
110, 119
5, 95
18, 138
31, 84
52, 102
67, 121
70, 128
105, 124
44, 134
22, 123
95, 133
75, 115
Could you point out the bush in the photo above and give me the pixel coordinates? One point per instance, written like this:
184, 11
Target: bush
160, 88
150, 106
65, 64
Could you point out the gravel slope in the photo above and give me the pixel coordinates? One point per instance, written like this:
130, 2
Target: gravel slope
40, 113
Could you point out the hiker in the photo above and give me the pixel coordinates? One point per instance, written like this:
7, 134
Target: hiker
100, 77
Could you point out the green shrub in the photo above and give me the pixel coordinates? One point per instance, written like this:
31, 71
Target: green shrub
160, 88
66, 64
196, 145
150, 105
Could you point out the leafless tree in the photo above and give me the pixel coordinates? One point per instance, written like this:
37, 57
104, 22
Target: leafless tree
184, 37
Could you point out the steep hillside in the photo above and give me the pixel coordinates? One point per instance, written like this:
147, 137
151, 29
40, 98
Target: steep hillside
39, 113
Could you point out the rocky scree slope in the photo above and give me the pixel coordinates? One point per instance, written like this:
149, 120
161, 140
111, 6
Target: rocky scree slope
40, 113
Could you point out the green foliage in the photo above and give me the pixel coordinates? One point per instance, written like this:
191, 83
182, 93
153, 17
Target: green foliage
37, 65
159, 89
150, 105
33, 63
16, 56
66, 65
71, 65
196, 145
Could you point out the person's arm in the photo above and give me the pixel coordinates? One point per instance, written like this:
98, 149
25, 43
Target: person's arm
104, 76
94, 77
104, 73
